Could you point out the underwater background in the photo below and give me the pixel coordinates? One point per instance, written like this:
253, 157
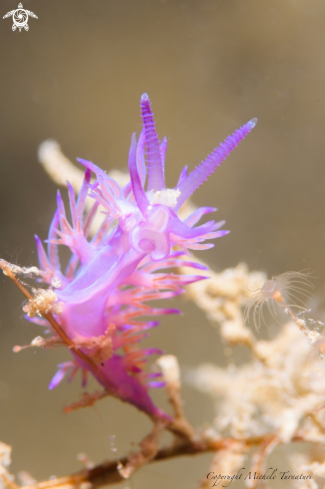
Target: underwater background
209, 66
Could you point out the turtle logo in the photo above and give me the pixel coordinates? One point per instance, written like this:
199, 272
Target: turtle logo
20, 18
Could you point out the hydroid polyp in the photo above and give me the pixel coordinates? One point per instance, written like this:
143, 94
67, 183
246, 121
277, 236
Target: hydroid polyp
289, 291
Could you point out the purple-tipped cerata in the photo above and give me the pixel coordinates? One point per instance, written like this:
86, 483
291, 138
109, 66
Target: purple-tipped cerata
104, 293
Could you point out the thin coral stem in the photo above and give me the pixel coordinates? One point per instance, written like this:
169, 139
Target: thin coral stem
108, 472
57, 328
261, 455
7, 271
299, 322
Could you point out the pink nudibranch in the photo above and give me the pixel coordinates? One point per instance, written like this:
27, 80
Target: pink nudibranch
104, 291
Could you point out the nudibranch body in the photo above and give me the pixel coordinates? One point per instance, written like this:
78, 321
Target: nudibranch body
105, 290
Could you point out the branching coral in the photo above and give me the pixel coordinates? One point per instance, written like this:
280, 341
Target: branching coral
281, 391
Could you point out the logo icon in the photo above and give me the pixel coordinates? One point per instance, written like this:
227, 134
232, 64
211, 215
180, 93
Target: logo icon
20, 18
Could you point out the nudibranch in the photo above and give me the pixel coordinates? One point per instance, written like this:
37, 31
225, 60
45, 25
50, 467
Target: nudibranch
101, 300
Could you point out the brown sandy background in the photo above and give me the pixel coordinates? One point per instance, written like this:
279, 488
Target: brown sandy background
208, 66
